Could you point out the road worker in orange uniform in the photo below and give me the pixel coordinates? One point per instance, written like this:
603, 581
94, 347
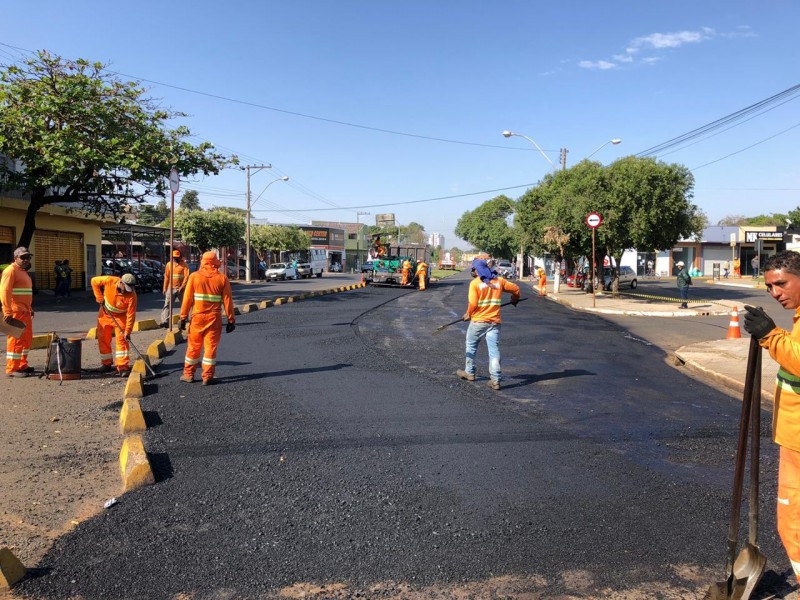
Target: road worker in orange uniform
207, 291
175, 276
16, 294
542, 281
483, 312
406, 272
117, 300
782, 278
422, 274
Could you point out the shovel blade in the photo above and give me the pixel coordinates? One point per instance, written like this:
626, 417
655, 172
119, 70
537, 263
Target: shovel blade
748, 568
719, 590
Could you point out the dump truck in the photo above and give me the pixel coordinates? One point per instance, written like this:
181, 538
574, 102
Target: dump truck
387, 263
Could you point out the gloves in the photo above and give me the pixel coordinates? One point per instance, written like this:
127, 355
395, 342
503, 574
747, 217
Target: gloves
230, 327
514, 302
466, 317
757, 322
182, 325
8, 319
127, 337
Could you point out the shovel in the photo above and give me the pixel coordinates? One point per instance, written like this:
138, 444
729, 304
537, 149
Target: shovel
733, 588
13, 327
147, 367
750, 563
461, 320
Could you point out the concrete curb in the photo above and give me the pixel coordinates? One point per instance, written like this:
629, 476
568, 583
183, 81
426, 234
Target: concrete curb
11, 569
134, 464
134, 387
131, 417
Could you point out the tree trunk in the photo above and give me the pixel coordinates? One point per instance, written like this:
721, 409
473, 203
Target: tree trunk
38, 200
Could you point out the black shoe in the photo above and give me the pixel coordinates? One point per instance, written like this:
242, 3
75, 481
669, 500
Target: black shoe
105, 369
18, 374
164, 325
210, 381
29, 369
123, 372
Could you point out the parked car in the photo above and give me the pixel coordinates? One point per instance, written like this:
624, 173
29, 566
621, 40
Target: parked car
367, 266
627, 276
281, 271
505, 268
232, 270
304, 270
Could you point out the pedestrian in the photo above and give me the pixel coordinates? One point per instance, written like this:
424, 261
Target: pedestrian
207, 292
542, 281
175, 275
727, 270
483, 313
16, 295
737, 268
650, 269
58, 272
406, 271
422, 274
782, 278
754, 263
262, 269
67, 277
684, 281
117, 299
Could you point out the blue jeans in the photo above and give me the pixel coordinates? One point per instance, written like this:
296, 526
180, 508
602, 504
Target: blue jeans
684, 291
490, 331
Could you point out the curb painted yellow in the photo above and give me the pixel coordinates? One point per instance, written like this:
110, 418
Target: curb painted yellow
131, 417
134, 386
236, 310
91, 334
145, 325
279, 301
265, 304
40, 342
134, 465
173, 338
11, 569
139, 366
157, 349
249, 308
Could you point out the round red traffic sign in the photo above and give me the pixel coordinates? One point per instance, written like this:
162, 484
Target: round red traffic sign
593, 220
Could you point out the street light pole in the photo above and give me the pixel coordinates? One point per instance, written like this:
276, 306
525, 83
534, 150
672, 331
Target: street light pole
508, 134
359, 213
248, 263
614, 141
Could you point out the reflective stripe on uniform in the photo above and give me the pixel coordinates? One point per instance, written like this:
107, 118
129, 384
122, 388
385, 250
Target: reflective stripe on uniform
209, 361
191, 361
113, 309
207, 297
22, 291
13, 355
490, 302
787, 381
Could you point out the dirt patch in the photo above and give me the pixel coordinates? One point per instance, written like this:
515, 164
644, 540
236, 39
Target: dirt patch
59, 451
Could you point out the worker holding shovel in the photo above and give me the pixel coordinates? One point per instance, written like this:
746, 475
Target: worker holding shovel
117, 300
782, 277
16, 294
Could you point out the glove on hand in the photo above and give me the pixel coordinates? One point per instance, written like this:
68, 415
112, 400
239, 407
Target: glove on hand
182, 325
8, 319
514, 302
757, 322
230, 327
127, 337
466, 317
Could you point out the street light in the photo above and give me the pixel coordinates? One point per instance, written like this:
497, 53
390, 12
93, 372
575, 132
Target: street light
508, 134
359, 213
257, 168
614, 141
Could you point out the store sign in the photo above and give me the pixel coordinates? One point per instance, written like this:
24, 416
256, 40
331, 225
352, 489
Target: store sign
751, 237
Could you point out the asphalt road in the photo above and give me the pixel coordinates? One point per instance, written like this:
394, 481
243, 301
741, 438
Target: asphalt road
339, 450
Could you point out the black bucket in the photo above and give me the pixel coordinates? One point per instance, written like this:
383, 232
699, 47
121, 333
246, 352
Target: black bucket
65, 359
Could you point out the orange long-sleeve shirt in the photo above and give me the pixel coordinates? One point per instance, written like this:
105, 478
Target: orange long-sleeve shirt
117, 304
208, 291
178, 273
485, 299
16, 290
784, 347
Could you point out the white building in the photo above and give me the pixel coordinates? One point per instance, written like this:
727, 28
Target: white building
436, 239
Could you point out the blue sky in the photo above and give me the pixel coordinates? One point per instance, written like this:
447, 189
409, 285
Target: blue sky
377, 106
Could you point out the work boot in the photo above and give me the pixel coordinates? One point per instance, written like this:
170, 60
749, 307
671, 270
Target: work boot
18, 374
123, 372
187, 378
464, 375
209, 381
105, 369
493, 384
164, 325
29, 369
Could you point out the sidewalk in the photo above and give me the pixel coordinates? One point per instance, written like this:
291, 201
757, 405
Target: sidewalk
723, 361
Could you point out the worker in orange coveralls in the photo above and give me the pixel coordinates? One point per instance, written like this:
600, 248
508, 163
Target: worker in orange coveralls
542, 281
782, 278
117, 300
406, 271
175, 276
422, 274
207, 291
16, 294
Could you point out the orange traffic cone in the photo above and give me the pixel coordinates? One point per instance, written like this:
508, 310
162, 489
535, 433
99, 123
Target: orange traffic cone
733, 327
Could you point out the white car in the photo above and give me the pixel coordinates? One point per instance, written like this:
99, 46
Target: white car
281, 271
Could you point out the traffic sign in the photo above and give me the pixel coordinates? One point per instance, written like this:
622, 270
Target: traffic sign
174, 181
593, 220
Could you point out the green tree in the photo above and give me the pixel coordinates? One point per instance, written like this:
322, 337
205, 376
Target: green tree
80, 136
486, 227
190, 200
209, 229
274, 239
793, 218
147, 214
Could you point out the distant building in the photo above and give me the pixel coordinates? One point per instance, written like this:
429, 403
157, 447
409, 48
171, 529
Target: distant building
436, 239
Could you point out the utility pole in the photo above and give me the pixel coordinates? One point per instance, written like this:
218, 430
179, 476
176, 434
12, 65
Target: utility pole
359, 213
248, 263
564, 158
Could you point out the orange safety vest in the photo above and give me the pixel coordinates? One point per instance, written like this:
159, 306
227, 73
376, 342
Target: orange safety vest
485, 298
16, 290
177, 272
115, 303
207, 294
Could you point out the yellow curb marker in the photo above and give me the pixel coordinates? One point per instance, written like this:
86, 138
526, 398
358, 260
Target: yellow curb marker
131, 417
40, 342
236, 310
278, 301
145, 325
134, 465
265, 304
249, 308
173, 338
140, 367
157, 349
11, 569
134, 386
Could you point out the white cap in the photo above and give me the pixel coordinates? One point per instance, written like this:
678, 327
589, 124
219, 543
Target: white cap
679, 263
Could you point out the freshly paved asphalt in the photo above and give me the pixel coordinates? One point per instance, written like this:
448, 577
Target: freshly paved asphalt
339, 447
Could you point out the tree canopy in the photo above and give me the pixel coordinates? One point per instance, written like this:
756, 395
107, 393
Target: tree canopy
209, 229
486, 227
190, 200
278, 238
76, 134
